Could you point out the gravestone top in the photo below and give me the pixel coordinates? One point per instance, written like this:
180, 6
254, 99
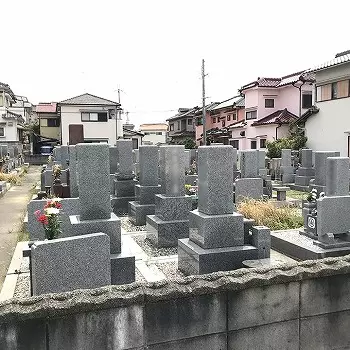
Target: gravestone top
125, 160
249, 164
286, 155
172, 172
148, 165
321, 165
215, 179
93, 180
306, 158
337, 177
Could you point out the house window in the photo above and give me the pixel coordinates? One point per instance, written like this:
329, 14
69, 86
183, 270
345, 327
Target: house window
253, 144
53, 122
343, 88
159, 133
135, 143
200, 121
214, 120
251, 115
189, 121
334, 91
94, 117
306, 101
171, 127
234, 143
262, 143
234, 116
228, 118
178, 125
1, 100
2, 130
269, 103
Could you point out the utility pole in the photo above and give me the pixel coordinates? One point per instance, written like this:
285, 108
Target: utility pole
203, 104
117, 117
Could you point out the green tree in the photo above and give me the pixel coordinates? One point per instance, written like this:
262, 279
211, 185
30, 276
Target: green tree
189, 143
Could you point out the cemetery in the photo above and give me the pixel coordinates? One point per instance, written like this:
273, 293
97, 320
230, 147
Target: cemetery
163, 247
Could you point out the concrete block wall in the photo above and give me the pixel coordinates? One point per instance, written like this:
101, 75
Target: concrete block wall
300, 306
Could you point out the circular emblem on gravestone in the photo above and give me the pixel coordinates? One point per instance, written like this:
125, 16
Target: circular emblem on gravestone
311, 222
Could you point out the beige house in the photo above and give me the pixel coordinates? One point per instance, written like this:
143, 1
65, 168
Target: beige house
88, 118
154, 133
49, 120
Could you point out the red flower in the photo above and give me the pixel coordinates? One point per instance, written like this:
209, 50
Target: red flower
37, 213
58, 205
43, 219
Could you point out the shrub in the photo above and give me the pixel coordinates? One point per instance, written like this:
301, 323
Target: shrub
14, 179
266, 214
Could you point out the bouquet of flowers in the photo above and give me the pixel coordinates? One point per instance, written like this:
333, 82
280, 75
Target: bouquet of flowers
49, 218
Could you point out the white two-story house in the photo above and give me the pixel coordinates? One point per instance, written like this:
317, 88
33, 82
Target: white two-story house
327, 123
11, 123
88, 118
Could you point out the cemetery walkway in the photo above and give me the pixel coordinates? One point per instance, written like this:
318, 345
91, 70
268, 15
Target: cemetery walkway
13, 206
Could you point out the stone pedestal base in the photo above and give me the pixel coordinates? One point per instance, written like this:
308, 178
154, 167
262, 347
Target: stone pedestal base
111, 227
124, 188
166, 233
303, 180
123, 266
138, 212
120, 205
300, 188
194, 260
288, 178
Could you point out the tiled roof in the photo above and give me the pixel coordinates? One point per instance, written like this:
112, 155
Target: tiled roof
339, 59
6, 88
12, 115
190, 112
279, 82
46, 107
279, 117
232, 102
304, 117
241, 102
239, 124
145, 127
87, 99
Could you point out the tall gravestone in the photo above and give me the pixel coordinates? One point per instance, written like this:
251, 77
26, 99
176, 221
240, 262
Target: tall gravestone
147, 187
57, 155
287, 170
250, 185
170, 221
320, 169
64, 156
73, 179
124, 184
113, 165
305, 172
96, 213
136, 160
216, 241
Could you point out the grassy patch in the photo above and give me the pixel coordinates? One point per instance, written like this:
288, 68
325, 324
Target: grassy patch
266, 214
297, 194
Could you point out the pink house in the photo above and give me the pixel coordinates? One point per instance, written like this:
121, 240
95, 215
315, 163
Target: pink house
219, 118
271, 104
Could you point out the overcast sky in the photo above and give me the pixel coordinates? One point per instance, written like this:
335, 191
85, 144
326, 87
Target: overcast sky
152, 50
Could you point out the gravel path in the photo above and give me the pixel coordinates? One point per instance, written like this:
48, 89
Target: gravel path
129, 227
150, 249
170, 270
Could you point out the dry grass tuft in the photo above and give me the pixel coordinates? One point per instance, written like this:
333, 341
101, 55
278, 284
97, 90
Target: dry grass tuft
266, 214
14, 179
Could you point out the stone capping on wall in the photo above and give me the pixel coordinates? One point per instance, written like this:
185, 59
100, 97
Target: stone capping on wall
78, 301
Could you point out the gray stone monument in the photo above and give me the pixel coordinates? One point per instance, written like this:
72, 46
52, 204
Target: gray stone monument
304, 173
95, 213
124, 184
170, 221
287, 170
320, 169
73, 179
66, 264
217, 237
250, 185
147, 187
64, 157
57, 155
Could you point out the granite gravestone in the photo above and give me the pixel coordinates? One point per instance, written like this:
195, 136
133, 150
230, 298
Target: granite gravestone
250, 185
66, 264
64, 157
217, 237
124, 184
320, 169
147, 187
95, 214
73, 180
305, 172
170, 221
287, 170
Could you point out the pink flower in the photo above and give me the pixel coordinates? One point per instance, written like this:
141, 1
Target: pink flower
37, 213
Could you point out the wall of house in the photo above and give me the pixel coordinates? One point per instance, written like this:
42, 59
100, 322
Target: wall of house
289, 98
11, 133
151, 136
92, 130
46, 131
328, 130
302, 306
251, 97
